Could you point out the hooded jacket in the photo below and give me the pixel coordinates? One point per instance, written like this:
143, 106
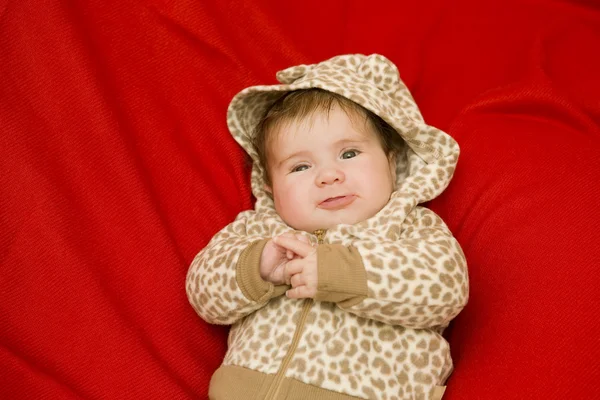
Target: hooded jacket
387, 286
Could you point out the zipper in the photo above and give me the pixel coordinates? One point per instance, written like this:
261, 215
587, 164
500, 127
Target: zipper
276, 385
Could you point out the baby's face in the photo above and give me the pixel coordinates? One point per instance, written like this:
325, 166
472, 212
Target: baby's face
325, 172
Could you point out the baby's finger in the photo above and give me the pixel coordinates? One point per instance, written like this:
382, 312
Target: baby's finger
289, 254
303, 238
300, 292
297, 280
292, 268
276, 276
299, 247
286, 234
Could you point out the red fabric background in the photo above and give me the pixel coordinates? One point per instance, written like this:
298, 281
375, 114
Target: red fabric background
116, 168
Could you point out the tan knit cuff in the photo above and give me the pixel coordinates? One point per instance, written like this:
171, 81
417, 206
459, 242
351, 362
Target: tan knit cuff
248, 275
342, 275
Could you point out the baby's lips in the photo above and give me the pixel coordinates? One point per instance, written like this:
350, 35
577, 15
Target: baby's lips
337, 202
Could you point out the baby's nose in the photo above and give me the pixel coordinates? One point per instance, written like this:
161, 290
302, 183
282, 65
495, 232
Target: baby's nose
329, 176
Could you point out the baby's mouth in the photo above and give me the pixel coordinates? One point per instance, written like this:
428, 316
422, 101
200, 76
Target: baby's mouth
338, 202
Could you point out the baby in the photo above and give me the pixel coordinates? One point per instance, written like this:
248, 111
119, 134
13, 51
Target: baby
338, 285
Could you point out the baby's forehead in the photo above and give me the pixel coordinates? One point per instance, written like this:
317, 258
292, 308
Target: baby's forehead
355, 118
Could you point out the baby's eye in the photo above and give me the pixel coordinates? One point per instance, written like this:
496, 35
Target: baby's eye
349, 154
300, 168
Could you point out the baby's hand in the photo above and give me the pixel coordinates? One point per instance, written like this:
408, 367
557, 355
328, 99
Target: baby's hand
274, 259
301, 272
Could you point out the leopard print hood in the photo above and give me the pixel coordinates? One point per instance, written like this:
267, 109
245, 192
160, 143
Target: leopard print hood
425, 166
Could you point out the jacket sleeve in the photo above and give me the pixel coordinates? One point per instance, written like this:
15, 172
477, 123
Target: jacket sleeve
223, 282
419, 280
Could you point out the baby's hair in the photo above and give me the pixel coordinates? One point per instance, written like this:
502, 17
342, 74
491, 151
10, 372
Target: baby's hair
299, 104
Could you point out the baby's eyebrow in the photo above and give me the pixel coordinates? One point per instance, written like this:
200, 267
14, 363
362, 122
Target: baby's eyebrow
345, 142
296, 154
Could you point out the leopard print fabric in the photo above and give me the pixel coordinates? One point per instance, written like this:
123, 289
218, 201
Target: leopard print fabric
389, 345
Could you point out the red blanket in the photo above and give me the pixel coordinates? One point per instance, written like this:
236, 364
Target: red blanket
116, 168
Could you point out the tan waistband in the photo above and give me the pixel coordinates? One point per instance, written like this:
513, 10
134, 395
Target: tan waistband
231, 382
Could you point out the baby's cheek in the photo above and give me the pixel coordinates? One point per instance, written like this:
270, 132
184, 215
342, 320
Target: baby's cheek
287, 202
292, 199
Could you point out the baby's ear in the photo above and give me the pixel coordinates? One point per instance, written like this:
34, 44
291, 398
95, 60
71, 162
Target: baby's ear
267, 188
392, 161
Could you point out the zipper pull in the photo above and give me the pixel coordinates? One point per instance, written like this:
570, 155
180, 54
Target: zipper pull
320, 233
